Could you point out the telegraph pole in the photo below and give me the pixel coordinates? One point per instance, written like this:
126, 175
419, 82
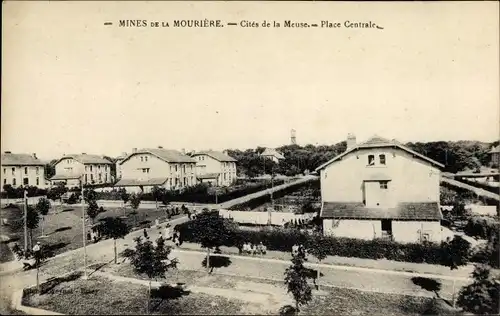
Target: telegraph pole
25, 202
85, 276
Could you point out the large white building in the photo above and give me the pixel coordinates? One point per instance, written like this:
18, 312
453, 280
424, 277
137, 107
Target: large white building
92, 169
381, 189
145, 168
22, 170
215, 167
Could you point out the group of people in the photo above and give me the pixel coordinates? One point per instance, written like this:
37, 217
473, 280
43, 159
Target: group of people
169, 234
251, 248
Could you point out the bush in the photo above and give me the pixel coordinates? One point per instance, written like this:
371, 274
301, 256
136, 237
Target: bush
482, 227
18, 193
281, 239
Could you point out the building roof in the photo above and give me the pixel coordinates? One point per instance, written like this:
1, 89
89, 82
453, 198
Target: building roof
272, 152
495, 149
208, 176
167, 155
136, 182
379, 142
10, 159
87, 159
403, 211
217, 155
65, 177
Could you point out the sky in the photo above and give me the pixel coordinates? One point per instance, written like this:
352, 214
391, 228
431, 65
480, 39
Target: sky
72, 85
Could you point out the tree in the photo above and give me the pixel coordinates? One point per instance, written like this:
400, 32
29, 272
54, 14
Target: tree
151, 260
43, 207
296, 280
455, 253
89, 195
32, 221
318, 248
135, 201
482, 296
125, 198
211, 231
92, 210
158, 194
115, 228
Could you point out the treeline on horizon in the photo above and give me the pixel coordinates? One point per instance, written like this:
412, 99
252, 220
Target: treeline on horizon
455, 155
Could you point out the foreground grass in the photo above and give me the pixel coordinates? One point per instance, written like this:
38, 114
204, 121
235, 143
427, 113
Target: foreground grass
334, 301
103, 296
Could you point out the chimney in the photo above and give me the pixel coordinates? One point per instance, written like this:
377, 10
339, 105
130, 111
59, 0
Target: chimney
134, 150
225, 152
34, 156
84, 153
351, 141
124, 154
183, 150
160, 147
8, 152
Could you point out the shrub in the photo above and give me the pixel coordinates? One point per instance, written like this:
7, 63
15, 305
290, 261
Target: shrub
281, 239
482, 227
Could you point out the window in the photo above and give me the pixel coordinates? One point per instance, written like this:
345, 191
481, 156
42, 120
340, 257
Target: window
99, 176
142, 158
145, 170
86, 179
371, 160
4, 171
86, 168
99, 167
37, 181
175, 168
184, 168
14, 181
146, 158
91, 177
13, 171
37, 170
25, 170
90, 168
4, 181
382, 159
26, 181
383, 185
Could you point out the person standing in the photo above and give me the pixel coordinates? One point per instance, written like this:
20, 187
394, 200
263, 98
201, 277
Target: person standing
36, 253
145, 234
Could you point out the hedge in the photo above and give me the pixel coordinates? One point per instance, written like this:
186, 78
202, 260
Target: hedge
280, 239
197, 194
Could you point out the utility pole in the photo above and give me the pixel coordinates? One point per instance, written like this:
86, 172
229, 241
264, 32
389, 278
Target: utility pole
85, 276
25, 223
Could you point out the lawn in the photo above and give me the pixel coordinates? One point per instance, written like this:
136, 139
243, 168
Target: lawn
63, 229
102, 296
334, 301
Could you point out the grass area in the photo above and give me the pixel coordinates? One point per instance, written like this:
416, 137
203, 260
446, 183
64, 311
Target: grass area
63, 228
335, 301
103, 296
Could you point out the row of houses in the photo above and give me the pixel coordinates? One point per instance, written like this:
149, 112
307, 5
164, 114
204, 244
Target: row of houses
140, 170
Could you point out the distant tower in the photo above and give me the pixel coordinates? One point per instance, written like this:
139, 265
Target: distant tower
293, 139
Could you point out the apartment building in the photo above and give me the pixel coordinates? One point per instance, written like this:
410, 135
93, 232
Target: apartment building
215, 167
145, 168
92, 169
22, 170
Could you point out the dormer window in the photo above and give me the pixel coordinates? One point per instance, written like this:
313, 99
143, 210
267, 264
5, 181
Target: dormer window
382, 159
371, 160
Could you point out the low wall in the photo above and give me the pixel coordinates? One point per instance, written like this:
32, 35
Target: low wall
261, 218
